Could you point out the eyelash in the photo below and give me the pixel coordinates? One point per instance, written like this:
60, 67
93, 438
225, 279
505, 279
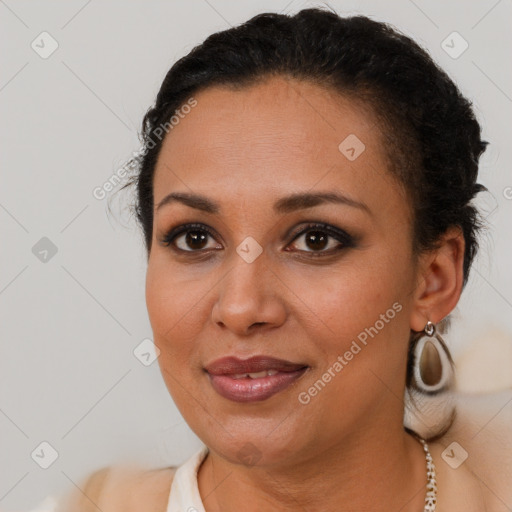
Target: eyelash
346, 240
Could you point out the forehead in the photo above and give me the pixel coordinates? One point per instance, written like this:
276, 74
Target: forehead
279, 135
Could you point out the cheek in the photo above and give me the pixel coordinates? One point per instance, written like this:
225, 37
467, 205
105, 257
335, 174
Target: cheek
346, 299
358, 312
360, 329
173, 306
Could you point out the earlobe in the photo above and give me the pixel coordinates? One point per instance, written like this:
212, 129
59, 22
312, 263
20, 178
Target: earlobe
440, 277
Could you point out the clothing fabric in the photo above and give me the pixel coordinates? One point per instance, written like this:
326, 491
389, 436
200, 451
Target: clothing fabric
184, 494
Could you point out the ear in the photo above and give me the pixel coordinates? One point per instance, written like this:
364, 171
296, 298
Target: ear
439, 280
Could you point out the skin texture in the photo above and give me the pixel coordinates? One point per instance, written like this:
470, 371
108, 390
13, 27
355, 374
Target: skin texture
246, 149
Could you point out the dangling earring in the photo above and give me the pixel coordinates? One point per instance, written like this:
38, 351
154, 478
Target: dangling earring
432, 364
429, 401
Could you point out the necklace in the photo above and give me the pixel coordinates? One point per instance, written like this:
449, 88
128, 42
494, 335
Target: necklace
431, 496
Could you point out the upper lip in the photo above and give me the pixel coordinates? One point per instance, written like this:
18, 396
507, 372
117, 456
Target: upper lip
233, 365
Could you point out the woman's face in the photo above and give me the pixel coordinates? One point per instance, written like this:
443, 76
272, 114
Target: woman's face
335, 298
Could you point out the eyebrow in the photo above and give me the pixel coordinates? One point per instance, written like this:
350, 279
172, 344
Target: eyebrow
288, 204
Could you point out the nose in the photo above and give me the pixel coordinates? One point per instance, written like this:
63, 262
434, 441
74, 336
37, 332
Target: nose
249, 298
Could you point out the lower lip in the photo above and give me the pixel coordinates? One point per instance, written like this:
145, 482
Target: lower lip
253, 390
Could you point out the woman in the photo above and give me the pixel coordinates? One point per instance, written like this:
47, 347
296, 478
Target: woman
305, 197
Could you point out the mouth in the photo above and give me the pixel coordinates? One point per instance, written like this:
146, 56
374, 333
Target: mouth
254, 379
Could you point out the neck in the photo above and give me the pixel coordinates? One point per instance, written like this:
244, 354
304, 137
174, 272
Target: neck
376, 471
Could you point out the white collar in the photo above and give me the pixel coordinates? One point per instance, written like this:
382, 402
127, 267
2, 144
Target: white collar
184, 494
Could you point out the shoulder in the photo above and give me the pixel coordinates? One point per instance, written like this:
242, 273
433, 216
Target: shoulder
477, 448
123, 488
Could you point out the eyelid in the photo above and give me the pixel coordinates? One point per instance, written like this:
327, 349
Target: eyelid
321, 226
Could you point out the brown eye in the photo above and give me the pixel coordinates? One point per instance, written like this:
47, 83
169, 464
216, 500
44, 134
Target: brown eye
196, 239
322, 239
189, 238
316, 240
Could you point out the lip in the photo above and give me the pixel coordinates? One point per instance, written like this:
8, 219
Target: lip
246, 389
232, 365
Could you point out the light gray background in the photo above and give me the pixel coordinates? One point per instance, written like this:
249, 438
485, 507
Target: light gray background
69, 326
